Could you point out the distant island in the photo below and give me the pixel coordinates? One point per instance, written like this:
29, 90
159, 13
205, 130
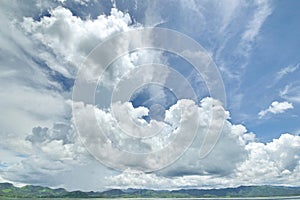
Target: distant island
10, 191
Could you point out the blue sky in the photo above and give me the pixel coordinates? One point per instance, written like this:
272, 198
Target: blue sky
45, 45
275, 49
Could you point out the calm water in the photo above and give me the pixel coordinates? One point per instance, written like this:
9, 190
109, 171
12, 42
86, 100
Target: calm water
250, 198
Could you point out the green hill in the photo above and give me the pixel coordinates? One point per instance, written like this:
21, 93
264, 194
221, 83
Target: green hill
9, 190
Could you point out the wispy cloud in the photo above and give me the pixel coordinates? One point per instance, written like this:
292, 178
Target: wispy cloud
287, 70
276, 108
291, 93
248, 31
263, 11
283, 73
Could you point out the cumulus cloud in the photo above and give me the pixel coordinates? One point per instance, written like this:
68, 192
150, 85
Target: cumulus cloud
245, 162
276, 108
191, 163
37, 60
119, 134
43, 148
276, 162
185, 120
52, 157
71, 38
43, 53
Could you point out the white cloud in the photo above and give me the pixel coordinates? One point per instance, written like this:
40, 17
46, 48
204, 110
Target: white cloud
253, 27
233, 12
291, 93
30, 107
71, 38
28, 95
228, 29
276, 162
2, 180
253, 163
52, 157
31, 96
287, 70
121, 129
181, 119
276, 108
41, 146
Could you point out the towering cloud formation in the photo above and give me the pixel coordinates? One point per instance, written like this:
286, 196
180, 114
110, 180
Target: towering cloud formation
39, 143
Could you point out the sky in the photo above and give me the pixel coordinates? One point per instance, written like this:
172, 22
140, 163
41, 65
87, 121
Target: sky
86, 104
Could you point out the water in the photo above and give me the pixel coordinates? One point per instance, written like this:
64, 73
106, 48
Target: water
221, 198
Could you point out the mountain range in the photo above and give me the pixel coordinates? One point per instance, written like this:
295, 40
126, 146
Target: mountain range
30, 191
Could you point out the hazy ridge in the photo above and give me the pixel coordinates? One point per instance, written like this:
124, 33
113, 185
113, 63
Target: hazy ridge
9, 190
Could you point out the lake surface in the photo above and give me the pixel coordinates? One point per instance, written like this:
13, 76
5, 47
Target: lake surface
244, 198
